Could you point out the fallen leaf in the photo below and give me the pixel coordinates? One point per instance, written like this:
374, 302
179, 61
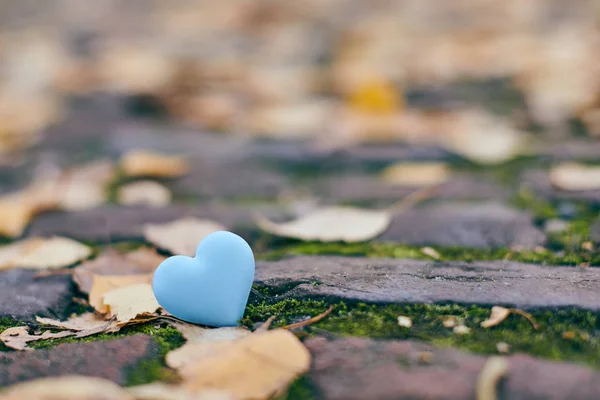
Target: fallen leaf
103, 284
570, 335
18, 208
259, 366
18, 337
571, 176
431, 252
483, 138
449, 322
181, 236
163, 391
498, 315
138, 163
66, 387
416, 174
404, 321
87, 324
144, 193
198, 334
502, 347
130, 301
142, 261
85, 186
331, 224
377, 96
43, 253
195, 348
309, 321
493, 371
462, 330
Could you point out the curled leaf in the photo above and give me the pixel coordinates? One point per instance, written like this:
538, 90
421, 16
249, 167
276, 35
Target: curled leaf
126, 303
18, 337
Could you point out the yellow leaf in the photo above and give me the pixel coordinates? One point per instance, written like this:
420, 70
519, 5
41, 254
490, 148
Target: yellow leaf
103, 284
137, 163
258, 366
331, 224
377, 96
67, 387
41, 253
416, 174
144, 193
181, 236
498, 315
128, 302
571, 176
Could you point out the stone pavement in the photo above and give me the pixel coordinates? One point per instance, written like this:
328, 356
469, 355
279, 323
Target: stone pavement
490, 232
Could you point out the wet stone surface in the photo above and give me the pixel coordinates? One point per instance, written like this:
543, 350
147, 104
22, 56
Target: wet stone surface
356, 368
474, 225
413, 281
23, 296
107, 359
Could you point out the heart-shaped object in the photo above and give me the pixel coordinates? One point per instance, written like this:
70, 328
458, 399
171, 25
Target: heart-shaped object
211, 288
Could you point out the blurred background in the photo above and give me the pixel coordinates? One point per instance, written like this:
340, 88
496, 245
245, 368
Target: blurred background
486, 79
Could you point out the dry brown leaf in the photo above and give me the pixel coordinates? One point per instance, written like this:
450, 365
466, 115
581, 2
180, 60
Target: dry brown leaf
144, 193
163, 391
198, 334
462, 330
152, 164
130, 301
404, 321
142, 261
483, 138
18, 337
502, 347
67, 387
258, 366
331, 224
43, 253
498, 315
18, 208
449, 321
181, 236
493, 371
416, 174
431, 252
571, 176
103, 284
87, 324
85, 186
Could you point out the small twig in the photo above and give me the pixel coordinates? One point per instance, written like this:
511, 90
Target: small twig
528, 316
309, 321
413, 199
267, 324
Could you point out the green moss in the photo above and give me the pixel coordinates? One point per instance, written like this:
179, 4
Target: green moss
380, 321
153, 369
299, 389
541, 209
572, 256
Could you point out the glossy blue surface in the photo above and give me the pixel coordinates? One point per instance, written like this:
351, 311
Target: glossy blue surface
211, 288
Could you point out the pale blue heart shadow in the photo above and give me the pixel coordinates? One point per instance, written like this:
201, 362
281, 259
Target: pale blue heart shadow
211, 288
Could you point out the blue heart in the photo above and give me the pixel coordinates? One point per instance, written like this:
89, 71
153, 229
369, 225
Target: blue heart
211, 288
